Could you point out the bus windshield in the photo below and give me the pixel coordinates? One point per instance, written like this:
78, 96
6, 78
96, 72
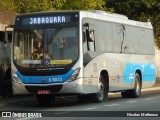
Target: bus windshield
43, 47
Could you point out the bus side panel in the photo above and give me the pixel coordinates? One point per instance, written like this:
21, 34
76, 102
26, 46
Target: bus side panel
121, 69
147, 73
117, 50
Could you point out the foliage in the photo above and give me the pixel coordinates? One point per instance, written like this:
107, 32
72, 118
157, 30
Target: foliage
25, 6
141, 10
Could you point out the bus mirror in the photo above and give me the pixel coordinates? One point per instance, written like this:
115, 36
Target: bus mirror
90, 35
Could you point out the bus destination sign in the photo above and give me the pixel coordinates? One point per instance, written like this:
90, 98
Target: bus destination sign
45, 20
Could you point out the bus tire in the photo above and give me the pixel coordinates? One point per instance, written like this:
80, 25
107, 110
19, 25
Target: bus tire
43, 99
103, 92
136, 92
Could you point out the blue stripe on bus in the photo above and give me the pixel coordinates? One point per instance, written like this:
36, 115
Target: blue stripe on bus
44, 79
147, 70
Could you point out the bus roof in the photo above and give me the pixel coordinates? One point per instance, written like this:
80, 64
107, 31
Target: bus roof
116, 18
99, 15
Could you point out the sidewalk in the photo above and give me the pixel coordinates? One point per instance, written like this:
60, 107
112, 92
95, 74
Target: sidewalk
157, 83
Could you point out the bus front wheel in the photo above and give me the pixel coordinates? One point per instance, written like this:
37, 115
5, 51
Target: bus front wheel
102, 94
136, 92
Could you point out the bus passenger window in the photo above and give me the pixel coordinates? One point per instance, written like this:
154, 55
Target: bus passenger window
84, 43
88, 37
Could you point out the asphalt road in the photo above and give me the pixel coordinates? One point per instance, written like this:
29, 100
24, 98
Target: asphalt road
115, 108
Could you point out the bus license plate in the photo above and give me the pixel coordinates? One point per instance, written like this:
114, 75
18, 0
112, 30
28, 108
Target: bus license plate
43, 91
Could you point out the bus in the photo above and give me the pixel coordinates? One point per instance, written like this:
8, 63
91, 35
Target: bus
83, 53
5, 61
6, 21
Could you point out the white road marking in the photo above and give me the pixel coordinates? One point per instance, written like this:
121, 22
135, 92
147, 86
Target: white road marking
59, 113
111, 105
148, 99
28, 118
133, 101
90, 108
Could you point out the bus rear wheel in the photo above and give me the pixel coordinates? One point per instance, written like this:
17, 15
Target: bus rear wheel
136, 92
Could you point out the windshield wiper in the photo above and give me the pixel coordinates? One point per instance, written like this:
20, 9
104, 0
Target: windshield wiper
53, 35
37, 35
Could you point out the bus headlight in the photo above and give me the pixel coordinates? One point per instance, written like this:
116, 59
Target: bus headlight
15, 77
74, 75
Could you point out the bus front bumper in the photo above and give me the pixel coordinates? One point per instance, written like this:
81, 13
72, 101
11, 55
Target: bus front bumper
74, 87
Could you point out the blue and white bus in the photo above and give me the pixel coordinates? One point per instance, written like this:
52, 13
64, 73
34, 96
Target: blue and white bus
81, 53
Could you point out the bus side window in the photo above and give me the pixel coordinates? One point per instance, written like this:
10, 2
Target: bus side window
85, 48
91, 42
89, 37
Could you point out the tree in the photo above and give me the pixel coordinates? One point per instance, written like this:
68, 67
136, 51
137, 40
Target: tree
7, 4
84, 4
141, 10
25, 6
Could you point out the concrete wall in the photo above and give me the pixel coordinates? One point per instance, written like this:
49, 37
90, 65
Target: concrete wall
157, 61
6, 18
